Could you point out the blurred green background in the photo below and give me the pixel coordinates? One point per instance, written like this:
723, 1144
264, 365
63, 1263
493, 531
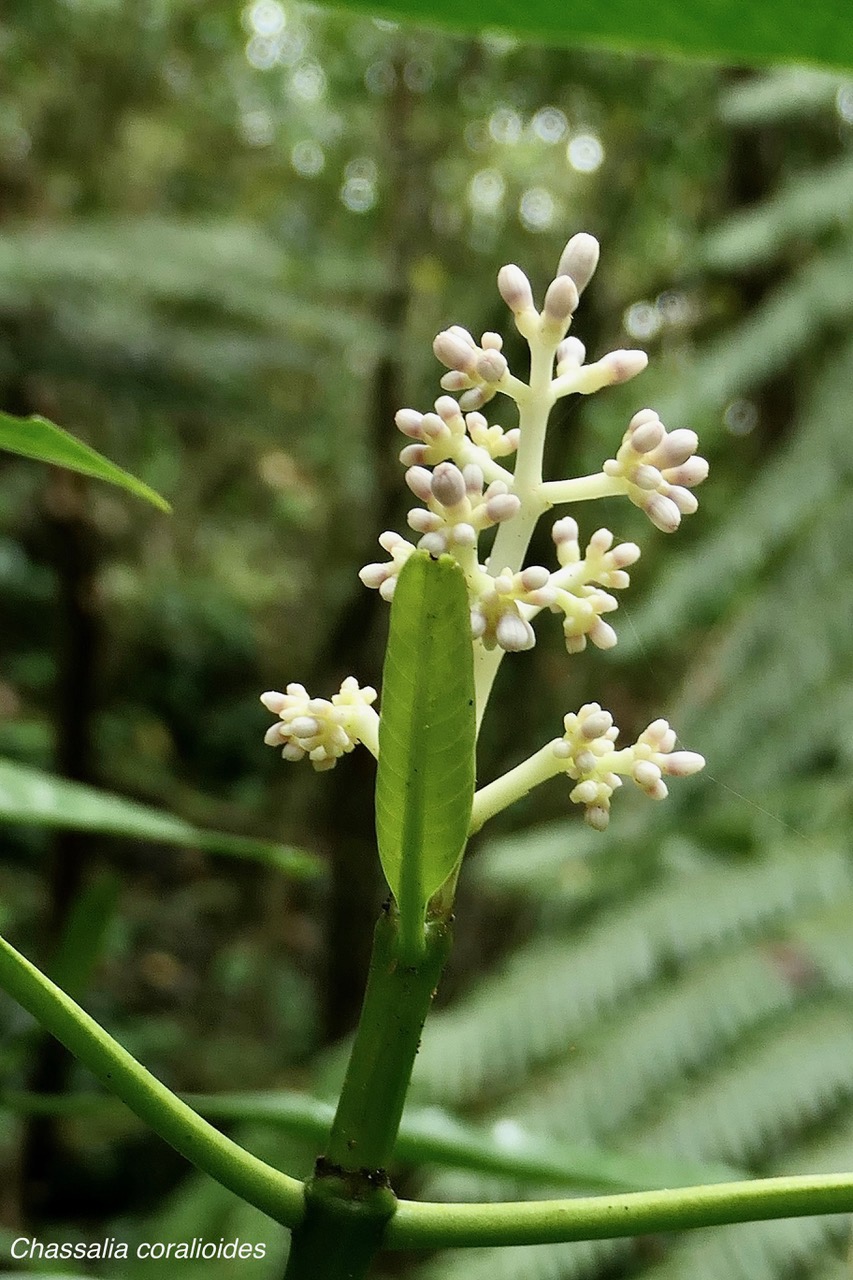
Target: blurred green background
227, 238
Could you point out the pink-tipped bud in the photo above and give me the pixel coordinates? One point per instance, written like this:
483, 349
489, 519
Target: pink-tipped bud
601, 541
454, 352
624, 365
571, 353
534, 577
645, 476
579, 259
625, 554
662, 512
561, 300
686, 501
472, 399
413, 455
690, 473
274, 701
455, 380
448, 484
419, 480
676, 448
514, 634
596, 725
647, 435
473, 476
503, 506
514, 288
680, 764
565, 530
602, 634
409, 421
491, 366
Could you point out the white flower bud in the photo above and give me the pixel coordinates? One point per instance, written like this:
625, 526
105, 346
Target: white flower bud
645, 476
514, 288
571, 354
657, 791
274, 735
596, 817
448, 484
624, 365
602, 634
565, 530
584, 792
513, 633
387, 588
473, 476
579, 259
274, 701
625, 554
472, 399
491, 366
419, 480
561, 300
647, 436
680, 764
502, 507
601, 541
454, 351
409, 421
423, 521
478, 623
413, 455
463, 535
434, 543
662, 512
455, 380
676, 448
372, 575
596, 724
686, 501
534, 577
690, 473
646, 773
491, 342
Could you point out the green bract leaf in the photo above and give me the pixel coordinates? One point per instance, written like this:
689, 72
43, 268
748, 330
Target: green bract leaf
37, 438
763, 30
425, 780
30, 796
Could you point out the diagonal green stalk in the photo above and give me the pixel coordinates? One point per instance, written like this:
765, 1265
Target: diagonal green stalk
275, 1193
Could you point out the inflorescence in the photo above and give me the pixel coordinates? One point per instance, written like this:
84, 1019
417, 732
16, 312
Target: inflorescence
455, 470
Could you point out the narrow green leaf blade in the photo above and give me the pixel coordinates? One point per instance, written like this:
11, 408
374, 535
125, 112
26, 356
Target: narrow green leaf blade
727, 30
429, 1135
82, 942
39, 799
425, 779
37, 438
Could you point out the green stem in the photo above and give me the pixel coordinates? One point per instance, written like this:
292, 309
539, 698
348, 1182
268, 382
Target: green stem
455, 1226
276, 1194
349, 1201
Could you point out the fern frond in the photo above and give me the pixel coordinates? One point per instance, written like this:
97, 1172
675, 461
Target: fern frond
547, 993
805, 206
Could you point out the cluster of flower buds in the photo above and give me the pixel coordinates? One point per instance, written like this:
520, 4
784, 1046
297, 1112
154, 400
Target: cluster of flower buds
476, 371
659, 468
321, 730
578, 589
450, 435
496, 616
588, 749
457, 507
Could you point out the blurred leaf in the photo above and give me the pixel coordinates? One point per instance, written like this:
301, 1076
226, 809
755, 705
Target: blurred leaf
430, 1135
83, 936
758, 32
37, 438
31, 796
425, 780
